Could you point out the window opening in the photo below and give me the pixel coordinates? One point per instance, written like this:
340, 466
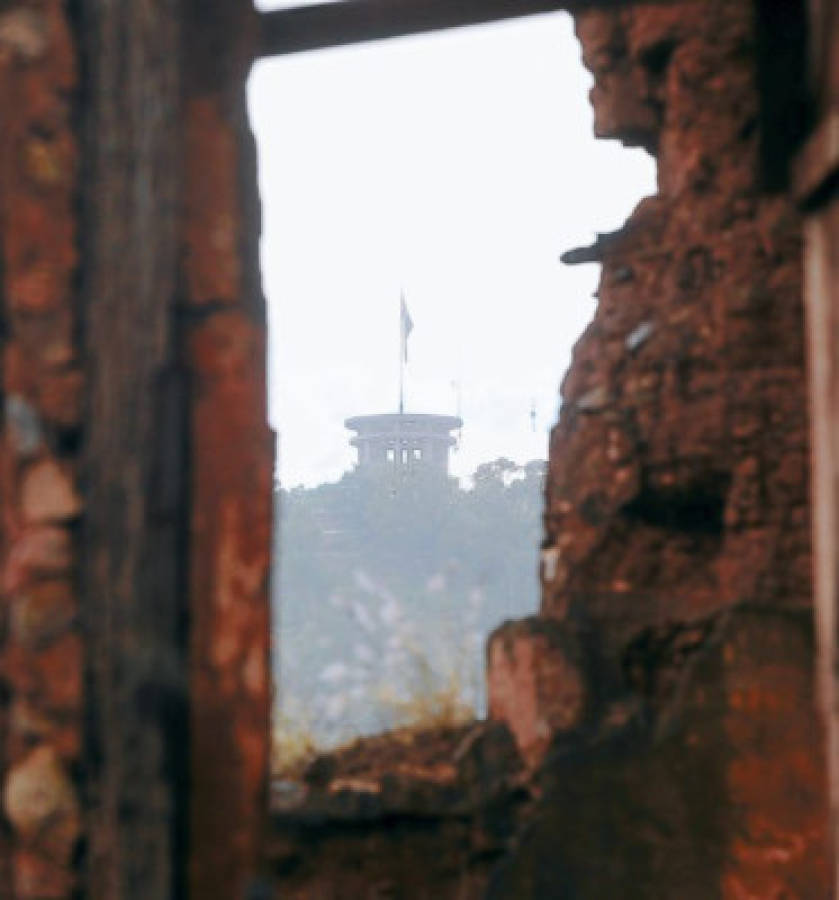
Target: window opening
417, 194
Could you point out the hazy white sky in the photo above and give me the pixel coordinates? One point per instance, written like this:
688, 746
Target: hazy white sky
458, 167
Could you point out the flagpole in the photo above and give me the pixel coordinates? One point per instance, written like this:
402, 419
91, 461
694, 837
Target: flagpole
401, 383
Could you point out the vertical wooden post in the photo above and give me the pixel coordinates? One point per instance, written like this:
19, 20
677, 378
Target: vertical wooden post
133, 602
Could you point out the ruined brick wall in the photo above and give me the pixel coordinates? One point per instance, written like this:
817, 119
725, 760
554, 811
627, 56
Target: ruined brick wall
231, 461
421, 814
135, 466
41, 657
677, 558
663, 701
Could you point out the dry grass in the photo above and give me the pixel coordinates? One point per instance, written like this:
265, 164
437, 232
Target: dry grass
293, 747
432, 701
430, 682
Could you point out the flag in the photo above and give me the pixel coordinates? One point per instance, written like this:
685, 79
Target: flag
406, 326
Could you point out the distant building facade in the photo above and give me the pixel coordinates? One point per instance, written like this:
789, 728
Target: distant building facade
404, 441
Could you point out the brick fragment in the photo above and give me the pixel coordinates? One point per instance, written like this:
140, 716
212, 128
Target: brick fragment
37, 878
48, 494
23, 33
42, 611
40, 802
37, 290
61, 397
45, 550
61, 668
535, 685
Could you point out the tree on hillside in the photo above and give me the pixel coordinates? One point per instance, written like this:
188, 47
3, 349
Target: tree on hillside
374, 569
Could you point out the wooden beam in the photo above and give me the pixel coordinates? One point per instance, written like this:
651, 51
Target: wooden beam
356, 21
133, 568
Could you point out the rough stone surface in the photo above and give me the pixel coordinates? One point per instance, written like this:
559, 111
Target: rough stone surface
41, 657
23, 33
535, 683
665, 696
418, 813
231, 470
38, 879
41, 803
42, 612
48, 494
654, 731
677, 551
723, 799
36, 553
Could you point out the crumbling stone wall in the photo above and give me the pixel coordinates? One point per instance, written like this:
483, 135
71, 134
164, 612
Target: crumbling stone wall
231, 459
662, 702
419, 814
41, 654
135, 466
657, 731
677, 558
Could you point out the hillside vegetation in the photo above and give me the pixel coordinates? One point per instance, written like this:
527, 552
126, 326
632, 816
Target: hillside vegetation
387, 588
